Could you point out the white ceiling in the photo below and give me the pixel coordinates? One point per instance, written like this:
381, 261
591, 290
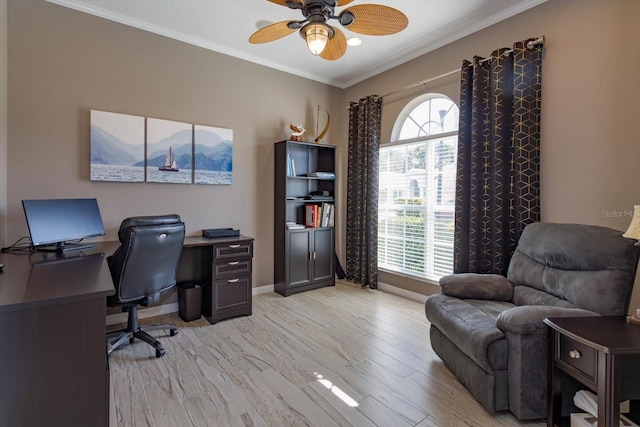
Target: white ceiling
225, 26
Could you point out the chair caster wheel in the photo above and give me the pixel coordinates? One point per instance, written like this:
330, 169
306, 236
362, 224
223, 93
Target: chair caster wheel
159, 352
131, 340
173, 332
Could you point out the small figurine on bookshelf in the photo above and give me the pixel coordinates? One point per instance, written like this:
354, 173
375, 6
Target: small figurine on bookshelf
298, 131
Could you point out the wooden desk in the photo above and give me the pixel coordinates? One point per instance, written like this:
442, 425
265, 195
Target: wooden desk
603, 353
53, 361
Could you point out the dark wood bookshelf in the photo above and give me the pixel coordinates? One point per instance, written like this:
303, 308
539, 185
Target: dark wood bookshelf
303, 257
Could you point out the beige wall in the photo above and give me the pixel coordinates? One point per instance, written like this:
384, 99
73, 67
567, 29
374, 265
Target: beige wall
590, 118
63, 63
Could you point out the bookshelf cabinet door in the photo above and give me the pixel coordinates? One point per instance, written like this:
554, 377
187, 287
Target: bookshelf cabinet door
323, 258
299, 259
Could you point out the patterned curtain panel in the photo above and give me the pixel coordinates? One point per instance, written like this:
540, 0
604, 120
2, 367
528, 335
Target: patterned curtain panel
362, 191
498, 172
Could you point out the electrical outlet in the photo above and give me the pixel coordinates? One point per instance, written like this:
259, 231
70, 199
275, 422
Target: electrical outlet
637, 311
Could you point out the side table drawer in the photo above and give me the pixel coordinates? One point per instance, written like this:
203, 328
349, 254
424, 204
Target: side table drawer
578, 356
233, 251
232, 269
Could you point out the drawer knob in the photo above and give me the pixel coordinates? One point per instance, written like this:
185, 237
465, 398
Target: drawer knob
574, 354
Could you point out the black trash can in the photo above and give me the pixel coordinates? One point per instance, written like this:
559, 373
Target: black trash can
189, 301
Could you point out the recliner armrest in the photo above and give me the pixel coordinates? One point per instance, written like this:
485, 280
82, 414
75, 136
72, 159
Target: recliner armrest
477, 286
528, 319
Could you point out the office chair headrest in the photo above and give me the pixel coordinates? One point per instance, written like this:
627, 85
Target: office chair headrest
137, 221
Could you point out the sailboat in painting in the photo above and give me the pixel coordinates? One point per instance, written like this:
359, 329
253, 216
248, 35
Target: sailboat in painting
170, 164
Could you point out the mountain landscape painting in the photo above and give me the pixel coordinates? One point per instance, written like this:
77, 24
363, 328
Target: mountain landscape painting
212, 155
169, 151
117, 147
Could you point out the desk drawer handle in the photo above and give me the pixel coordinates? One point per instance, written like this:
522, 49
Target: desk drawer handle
574, 354
232, 280
234, 246
233, 262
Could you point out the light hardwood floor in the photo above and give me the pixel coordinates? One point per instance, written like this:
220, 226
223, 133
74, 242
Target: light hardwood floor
336, 356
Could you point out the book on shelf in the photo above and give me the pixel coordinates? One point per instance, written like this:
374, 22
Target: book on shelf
317, 197
319, 215
324, 221
291, 166
331, 215
320, 174
292, 225
311, 216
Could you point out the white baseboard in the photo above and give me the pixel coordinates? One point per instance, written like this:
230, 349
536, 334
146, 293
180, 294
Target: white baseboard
402, 292
262, 290
169, 308
113, 319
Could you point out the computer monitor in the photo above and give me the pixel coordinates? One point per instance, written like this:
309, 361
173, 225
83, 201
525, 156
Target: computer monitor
54, 224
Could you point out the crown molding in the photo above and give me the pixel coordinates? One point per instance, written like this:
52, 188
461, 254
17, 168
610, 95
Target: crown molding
411, 51
421, 46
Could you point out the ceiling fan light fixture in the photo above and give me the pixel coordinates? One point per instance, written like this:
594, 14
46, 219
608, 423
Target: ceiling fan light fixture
327, 41
354, 41
317, 36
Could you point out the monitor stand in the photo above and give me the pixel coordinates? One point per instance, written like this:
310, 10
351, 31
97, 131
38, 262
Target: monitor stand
63, 248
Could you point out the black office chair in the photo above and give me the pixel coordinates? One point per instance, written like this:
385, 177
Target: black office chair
142, 268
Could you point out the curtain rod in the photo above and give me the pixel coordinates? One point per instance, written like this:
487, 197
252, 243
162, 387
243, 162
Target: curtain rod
531, 44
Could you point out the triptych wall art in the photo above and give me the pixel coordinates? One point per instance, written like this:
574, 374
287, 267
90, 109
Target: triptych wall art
129, 148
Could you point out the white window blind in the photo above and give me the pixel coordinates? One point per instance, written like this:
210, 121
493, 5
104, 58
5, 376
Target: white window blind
417, 191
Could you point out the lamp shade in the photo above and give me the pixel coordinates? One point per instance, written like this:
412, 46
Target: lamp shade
317, 36
633, 232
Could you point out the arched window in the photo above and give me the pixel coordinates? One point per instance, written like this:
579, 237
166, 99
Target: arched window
417, 189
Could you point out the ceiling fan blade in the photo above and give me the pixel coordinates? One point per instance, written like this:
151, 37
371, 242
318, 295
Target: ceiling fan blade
376, 20
343, 2
288, 3
336, 47
271, 32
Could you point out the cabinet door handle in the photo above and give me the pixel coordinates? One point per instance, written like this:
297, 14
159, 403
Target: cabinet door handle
233, 262
314, 256
232, 280
234, 246
574, 354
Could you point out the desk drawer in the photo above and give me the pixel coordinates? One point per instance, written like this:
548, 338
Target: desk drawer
232, 251
578, 356
232, 293
232, 269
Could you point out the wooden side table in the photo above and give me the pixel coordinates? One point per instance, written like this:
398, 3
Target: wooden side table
603, 353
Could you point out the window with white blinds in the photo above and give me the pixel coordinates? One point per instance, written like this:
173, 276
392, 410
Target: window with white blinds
417, 190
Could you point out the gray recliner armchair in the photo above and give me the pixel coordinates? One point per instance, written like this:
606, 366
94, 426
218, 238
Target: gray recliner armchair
489, 329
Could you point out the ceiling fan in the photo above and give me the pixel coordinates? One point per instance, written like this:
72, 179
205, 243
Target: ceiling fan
324, 40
